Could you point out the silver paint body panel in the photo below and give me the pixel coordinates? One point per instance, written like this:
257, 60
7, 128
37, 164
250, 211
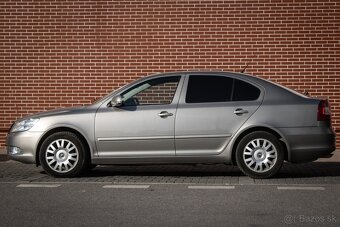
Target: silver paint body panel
195, 133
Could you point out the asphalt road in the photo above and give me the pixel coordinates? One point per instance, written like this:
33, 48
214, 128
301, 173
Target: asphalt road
202, 195
86, 204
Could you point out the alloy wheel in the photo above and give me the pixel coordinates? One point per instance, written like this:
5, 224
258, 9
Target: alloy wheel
62, 155
260, 155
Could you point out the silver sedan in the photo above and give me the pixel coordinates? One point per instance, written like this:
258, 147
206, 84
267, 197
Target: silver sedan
182, 118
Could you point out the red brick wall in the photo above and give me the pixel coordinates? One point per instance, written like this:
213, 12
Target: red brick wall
64, 53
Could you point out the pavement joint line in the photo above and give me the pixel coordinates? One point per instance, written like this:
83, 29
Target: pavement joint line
244, 180
114, 182
163, 183
132, 186
38, 185
70, 182
54, 182
300, 188
210, 187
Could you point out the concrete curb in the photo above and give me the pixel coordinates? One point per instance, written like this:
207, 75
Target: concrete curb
334, 158
3, 151
3, 154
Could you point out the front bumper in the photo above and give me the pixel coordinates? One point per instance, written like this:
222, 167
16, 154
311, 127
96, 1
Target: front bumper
309, 143
25, 143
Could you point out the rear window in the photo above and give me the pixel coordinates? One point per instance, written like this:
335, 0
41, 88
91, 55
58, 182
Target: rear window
244, 91
209, 89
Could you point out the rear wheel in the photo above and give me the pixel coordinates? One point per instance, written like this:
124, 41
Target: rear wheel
259, 155
62, 154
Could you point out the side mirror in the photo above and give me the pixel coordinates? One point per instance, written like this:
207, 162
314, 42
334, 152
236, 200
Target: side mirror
117, 101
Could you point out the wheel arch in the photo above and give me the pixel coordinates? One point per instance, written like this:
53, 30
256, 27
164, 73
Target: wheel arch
272, 131
62, 129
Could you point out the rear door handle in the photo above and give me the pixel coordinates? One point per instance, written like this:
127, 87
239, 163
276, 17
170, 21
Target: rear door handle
240, 111
165, 114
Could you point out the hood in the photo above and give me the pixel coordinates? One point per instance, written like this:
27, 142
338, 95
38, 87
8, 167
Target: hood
63, 111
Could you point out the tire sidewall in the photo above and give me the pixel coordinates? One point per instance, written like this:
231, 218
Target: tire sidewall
257, 135
82, 159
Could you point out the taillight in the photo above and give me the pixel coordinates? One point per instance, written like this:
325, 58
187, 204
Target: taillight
324, 113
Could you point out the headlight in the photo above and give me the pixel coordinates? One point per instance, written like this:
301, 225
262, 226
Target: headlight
24, 125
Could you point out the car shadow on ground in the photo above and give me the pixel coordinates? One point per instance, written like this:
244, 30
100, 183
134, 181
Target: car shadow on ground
305, 170
309, 170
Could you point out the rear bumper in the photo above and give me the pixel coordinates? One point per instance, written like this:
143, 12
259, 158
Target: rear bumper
309, 143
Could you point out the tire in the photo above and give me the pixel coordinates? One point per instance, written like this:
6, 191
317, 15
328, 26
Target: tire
90, 167
63, 154
259, 155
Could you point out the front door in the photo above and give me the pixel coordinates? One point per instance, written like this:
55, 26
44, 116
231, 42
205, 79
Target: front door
144, 125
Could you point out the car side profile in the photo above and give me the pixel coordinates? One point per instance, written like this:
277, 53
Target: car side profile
180, 118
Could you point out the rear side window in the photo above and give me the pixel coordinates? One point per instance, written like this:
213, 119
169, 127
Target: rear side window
209, 89
244, 91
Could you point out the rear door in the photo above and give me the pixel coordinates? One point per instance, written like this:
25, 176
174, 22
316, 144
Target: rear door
211, 109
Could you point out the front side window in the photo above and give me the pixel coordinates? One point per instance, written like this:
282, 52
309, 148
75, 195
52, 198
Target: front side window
158, 91
203, 89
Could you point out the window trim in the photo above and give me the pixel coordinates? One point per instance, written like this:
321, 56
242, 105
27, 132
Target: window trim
175, 97
182, 98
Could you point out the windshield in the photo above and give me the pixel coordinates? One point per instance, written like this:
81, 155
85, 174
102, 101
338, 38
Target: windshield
286, 88
103, 98
116, 91
290, 89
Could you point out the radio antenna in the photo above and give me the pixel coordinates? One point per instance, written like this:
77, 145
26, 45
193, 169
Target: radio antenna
244, 69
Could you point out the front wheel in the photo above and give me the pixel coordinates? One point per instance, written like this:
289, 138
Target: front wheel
259, 155
62, 154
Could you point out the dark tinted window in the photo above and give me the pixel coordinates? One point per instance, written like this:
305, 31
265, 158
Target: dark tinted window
209, 89
244, 91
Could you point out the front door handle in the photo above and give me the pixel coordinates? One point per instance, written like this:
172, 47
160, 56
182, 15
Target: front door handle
165, 114
240, 111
